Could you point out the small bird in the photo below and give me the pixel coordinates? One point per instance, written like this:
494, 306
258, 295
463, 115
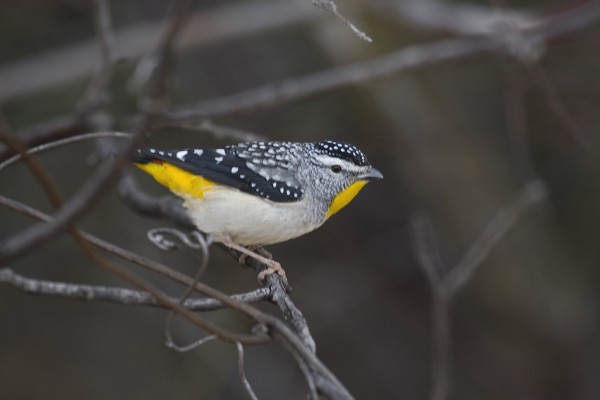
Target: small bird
263, 192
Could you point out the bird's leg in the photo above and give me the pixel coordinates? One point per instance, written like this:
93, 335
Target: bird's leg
273, 266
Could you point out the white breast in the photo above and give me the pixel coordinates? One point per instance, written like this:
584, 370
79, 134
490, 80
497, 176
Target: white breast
248, 219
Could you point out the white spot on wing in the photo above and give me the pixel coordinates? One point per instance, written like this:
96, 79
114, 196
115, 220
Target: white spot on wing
198, 152
218, 159
234, 170
181, 154
221, 152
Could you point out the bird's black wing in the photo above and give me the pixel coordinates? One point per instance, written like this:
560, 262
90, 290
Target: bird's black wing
233, 166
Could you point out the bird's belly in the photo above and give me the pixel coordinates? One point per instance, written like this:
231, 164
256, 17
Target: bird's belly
249, 220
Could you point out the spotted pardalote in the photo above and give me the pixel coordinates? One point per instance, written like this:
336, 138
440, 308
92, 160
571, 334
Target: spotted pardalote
259, 193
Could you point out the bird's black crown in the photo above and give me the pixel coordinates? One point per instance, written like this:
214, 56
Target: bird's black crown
344, 151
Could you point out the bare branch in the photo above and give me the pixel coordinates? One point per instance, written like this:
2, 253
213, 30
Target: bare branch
164, 207
495, 230
451, 17
183, 349
406, 59
156, 79
62, 142
242, 373
324, 380
445, 287
195, 241
400, 61
224, 132
97, 92
117, 295
331, 7
34, 166
228, 22
85, 198
426, 250
51, 130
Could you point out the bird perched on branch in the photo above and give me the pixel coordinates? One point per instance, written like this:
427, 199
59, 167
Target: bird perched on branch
259, 193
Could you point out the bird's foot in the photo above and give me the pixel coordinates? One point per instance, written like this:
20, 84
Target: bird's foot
260, 254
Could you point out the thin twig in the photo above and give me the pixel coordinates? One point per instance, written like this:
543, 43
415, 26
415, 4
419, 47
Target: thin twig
242, 372
331, 7
62, 142
183, 349
55, 129
34, 166
201, 244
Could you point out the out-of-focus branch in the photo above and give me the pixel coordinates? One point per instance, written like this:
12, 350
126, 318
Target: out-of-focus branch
445, 286
62, 142
492, 233
155, 80
97, 93
90, 193
450, 17
521, 43
209, 27
403, 60
406, 59
56, 129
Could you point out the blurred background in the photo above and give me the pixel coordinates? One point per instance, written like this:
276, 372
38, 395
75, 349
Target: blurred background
455, 141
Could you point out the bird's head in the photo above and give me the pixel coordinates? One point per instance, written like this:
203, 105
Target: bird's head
336, 171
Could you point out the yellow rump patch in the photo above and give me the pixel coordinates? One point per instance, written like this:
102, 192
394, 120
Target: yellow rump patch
344, 197
176, 179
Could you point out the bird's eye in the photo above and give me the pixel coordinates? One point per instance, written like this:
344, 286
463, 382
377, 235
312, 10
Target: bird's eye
336, 168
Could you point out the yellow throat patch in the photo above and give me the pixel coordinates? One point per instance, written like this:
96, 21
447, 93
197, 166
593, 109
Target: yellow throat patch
176, 179
344, 197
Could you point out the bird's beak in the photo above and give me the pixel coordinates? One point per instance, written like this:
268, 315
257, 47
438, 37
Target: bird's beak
371, 175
